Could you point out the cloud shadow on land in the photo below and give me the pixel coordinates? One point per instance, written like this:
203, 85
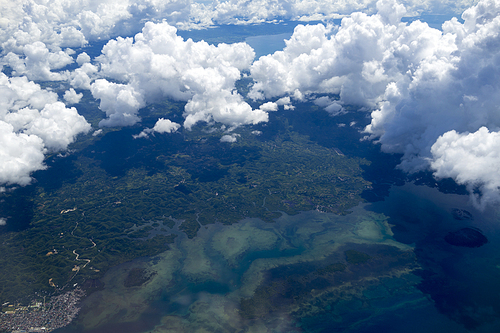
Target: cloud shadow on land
203, 157
60, 170
119, 152
17, 208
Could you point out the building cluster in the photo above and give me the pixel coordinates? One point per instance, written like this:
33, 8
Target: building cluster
58, 312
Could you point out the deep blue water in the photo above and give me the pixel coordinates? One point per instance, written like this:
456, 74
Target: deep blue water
461, 282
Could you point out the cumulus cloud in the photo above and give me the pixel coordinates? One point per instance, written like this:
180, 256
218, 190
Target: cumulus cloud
82, 58
3, 221
60, 24
121, 102
229, 138
144, 134
21, 154
157, 63
70, 23
32, 122
71, 97
161, 126
335, 109
56, 125
269, 106
350, 61
18, 92
286, 102
421, 85
37, 62
81, 78
165, 126
454, 87
97, 132
471, 159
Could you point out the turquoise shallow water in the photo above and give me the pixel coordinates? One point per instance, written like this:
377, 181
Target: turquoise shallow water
254, 276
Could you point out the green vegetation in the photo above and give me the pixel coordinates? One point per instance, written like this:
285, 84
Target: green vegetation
116, 198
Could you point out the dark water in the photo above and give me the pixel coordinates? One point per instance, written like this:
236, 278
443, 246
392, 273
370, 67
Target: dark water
462, 282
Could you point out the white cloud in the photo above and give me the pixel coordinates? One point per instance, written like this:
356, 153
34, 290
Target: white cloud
17, 93
471, 159
3, 221
144, 134
97, 132
269, 106
335, 109
70, 23
330, 106
421, 84
32, 122
222, 106
37, 62
453, 87
229, 138
353, 61
323, 101
21, 154
71, 97
57, 125
165, 126
157, 63
82, 58
120, 102
81, 78
286, 102
283, 101
161, 126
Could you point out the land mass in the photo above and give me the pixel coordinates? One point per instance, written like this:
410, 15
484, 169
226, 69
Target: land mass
116, 198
